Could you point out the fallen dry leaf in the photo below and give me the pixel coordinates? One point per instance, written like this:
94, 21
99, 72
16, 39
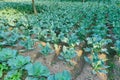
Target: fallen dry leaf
57, 50
73, 62
79, 53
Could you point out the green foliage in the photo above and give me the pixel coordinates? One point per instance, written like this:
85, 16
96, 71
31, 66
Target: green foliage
8, 38
6, 54
98, 44
13, 75
27, 42
67, 54
100, 30
117, 47
117, 32
73, 39
65, 75
15, 65
66, 23
45, 50
97, 64
3, 67
46, 35
32, 78
37, 70
18, 62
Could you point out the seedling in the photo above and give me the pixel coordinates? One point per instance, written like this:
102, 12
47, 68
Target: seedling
13, 75
97, 64
45, 50
6, 54
37, 70
67, 54
27, 42
3, 67
18, 62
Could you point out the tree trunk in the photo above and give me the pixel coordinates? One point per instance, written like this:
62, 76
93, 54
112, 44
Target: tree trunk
83, 1
34, 8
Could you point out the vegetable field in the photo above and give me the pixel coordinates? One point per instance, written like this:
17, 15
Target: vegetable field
63, 40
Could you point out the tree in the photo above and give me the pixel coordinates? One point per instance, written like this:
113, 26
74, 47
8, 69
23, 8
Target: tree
34, 8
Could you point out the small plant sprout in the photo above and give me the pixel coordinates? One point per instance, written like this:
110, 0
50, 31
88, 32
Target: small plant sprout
67, 54
45, 50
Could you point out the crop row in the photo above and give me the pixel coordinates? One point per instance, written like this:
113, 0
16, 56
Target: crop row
16, 67
96, 25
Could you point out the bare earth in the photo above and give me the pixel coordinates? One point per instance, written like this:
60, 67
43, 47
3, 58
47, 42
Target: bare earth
58, 66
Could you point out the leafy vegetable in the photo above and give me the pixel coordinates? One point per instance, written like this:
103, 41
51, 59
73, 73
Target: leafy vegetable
3, 67
98, 44
73, 40
32, 78
13, 75
67, 54
28, 43
45, 50
37, 70
18, 62
6, 54
97, 64
9, 38
65, 75
117, 47
68, 24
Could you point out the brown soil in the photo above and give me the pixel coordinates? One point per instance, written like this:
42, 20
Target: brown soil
87, 75
79, 69
55, 65
116, 69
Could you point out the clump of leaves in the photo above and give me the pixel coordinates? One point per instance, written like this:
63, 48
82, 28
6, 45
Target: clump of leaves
73, 40
8, 38
63, 37
18, 62
67, 53
48, 35
3, 67
65, 75
13, 75
27, 42
117, 47
81, 32
97, 44
97, 64
6, 54
100, 30
116, 29
37, 70
45, 50
33, 78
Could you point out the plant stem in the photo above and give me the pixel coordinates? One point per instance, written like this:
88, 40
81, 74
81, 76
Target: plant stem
34, 8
